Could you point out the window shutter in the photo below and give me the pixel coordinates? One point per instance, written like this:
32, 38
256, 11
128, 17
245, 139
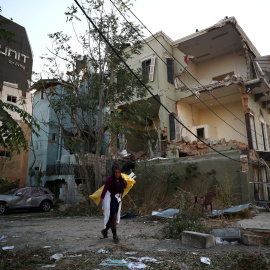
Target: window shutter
152, 69
172, 127
144, 69
170, 75
178, 130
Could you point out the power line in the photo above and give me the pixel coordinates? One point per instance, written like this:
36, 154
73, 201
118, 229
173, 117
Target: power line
175, 74
134, 74
187, 70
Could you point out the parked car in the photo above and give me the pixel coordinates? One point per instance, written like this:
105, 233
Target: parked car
27, 197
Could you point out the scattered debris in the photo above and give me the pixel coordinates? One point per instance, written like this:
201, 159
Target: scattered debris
48, 266
111, 262
47, 247
57, 256
2, 238
7, 248
205, 260
131, 253
103, 251
220, 241
169, 213
234, 209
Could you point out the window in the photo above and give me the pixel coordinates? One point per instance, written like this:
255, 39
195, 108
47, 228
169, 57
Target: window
5, 154
253, 132
148, 69
170, 73
54, 137
11, 99
201, 133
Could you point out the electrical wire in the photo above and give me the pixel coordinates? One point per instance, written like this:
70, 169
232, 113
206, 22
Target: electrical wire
184, 67
134, 74
175, 74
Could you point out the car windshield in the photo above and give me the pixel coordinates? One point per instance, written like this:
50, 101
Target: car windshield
12, 192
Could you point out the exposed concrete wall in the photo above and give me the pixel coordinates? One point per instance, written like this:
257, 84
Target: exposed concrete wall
231, 181
192, 117
222, 65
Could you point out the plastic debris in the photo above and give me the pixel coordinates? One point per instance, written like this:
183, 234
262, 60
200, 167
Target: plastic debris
103, 251
165, 214
48, 266
57, 256
137, 265
131, 253
234, 209
7, 248
205, 260
47, 247
110, 262
2, 238
220, 241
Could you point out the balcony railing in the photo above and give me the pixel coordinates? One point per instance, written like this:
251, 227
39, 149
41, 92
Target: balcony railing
67, 169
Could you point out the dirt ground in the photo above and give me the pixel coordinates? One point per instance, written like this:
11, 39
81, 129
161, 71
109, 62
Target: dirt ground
78, 239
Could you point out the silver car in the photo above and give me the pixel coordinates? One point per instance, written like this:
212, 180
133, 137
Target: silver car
27, 197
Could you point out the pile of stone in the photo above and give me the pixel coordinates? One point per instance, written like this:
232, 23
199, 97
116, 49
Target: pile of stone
193, 148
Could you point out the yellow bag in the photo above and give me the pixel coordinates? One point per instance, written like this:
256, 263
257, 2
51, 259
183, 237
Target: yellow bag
130, 182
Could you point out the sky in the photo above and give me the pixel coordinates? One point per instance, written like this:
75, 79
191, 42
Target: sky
176, 18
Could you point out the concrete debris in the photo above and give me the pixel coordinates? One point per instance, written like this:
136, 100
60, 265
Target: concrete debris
194, 148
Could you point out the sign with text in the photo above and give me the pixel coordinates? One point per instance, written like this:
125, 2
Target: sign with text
16, 59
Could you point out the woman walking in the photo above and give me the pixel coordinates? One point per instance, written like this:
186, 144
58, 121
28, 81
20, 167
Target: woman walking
111, 199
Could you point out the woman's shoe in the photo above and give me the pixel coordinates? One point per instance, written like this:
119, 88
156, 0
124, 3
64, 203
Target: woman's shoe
104, 233
115, 239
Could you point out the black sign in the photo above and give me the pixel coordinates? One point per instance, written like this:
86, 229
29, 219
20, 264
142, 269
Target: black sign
16, 59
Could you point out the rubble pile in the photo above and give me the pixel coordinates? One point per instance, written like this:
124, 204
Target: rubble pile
193, 148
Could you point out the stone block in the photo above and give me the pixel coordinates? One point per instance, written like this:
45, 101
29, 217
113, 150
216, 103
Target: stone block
252, 240
198, 240
231, 234
186, 139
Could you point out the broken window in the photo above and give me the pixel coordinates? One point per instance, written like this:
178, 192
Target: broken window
148, 69
200, 133
170, 73
11, 99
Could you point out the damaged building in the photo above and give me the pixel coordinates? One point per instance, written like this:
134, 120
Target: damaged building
216, 84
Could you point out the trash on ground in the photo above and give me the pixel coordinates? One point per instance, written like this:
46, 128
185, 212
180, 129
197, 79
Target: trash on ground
162, 250
74, 256
169, 213
131, 253
220, 241
47, 247
103, 251
48, 266
234, 209
111, 262
205, 260
2, 238
57, 256
7, 248
137, 265
184, 266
